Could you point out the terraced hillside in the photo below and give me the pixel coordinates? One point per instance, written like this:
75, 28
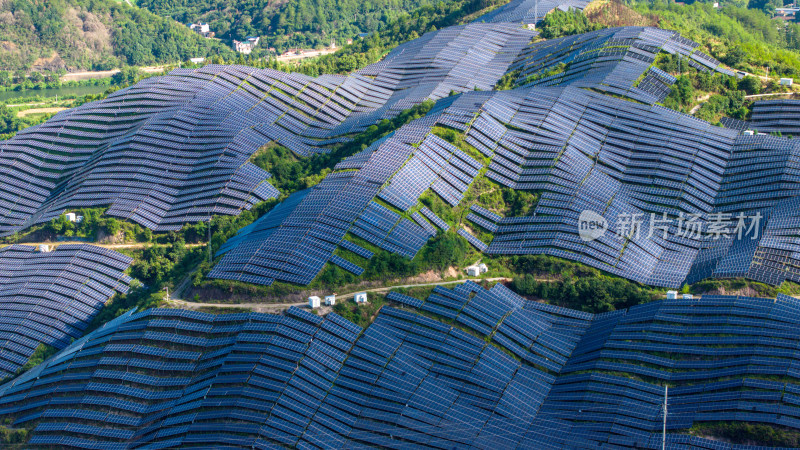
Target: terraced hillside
582, 129
175, 149
481, 135
465, 367
47, 299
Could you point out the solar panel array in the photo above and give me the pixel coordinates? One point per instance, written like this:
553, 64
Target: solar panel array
504, 372
759, 182
582, 148
587, 151
529, 11
437, 165
658, 83
166, 151
563, 135
175, 149
612, 60
50, 297
294, 242
776, 116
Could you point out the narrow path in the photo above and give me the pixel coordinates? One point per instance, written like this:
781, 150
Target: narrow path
773, 94
111, 246
28, 112
272, 307
700, 102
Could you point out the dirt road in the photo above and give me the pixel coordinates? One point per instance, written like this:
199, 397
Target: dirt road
279, 307
50, 110
88, 75
304, 55
111, 246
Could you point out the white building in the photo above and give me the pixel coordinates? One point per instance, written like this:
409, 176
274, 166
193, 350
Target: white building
787, 81
313, 302
71, 217
330, 300
197, 60
473, 271
672, 295
482, 268
202, 29
246, 46
360, 297
44, 248
688, 296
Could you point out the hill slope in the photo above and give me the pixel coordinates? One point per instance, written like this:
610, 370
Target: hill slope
285, 24
82, 34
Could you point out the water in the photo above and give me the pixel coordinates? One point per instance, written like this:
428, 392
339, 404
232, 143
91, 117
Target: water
62, 91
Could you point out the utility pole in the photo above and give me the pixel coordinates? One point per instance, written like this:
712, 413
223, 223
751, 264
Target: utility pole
664, 428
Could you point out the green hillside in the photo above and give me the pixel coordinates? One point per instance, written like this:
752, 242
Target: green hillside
91, 35
285, 24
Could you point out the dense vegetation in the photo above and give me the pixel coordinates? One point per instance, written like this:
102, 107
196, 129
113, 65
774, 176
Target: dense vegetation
301, 23
745, 39
566, 23
576, 286
363, 314
9, 123
402, 29
725, 95
92, 34
744, 433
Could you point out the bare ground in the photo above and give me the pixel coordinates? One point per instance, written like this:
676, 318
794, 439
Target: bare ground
28, 112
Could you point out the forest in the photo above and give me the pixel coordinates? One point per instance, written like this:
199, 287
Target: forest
284, 25
49, 35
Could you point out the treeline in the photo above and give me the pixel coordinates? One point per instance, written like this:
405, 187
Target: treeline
284, 25
576, 286
566, 23
371, 48
92, 35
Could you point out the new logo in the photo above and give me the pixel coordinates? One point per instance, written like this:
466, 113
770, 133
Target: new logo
591, 225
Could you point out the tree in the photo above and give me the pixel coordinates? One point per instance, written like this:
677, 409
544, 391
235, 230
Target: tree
735, 56
750, 85
566, 23
126, 76
445, 249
